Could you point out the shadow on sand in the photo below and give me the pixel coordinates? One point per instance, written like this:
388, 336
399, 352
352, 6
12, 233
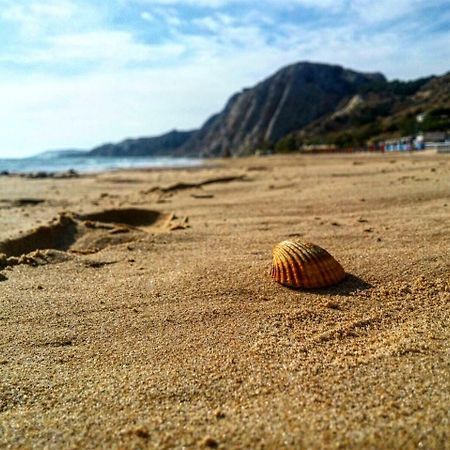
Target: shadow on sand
349, 285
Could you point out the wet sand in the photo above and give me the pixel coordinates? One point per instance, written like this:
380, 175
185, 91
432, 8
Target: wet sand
136, 309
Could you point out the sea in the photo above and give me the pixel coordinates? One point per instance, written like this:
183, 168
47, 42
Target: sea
84, 164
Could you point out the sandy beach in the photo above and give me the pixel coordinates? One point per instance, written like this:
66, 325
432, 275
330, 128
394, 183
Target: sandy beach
137, 310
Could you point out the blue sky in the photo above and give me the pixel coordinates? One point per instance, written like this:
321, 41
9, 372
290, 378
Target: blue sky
77, 73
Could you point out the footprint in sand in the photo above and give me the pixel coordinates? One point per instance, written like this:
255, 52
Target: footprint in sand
90, 233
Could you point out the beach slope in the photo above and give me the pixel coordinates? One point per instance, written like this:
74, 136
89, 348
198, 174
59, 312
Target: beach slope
137, 310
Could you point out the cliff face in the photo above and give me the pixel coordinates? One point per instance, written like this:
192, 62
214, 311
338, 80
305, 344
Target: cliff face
287, 101
380, 111
164, 145
305, 103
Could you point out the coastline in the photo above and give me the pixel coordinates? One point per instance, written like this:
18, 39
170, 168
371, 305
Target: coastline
60, 166
166, 331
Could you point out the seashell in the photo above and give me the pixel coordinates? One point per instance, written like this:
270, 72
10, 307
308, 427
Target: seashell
300, 264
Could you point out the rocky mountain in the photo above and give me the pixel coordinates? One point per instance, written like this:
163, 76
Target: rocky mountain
289, 100
306, 103
379, 111
166, 144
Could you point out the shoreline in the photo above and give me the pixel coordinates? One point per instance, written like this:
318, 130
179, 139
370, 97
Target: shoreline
199, 162
40, 167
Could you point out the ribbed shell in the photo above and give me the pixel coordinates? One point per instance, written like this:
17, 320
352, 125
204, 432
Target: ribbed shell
304, 265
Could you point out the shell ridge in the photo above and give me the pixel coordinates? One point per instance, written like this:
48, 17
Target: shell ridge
303, 249
314, 275
327, 267
299, 272
334, 270
326, 270
289, 270
304, 264
303, 275
303, 259
282, 269
275, 265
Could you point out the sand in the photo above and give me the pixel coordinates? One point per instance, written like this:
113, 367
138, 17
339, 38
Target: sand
136, 309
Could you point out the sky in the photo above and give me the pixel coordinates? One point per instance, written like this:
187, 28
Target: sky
79, 73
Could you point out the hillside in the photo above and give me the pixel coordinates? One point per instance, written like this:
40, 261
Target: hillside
289, 100
378, 112
166, 144
65, 153
306, 103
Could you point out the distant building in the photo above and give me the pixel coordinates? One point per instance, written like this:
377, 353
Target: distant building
433, 136
316, 148
404, 143
436, 140
442, 147
429, 139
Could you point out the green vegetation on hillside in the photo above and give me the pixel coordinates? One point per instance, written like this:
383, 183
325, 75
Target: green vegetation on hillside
436, 120
381, 111
395, 87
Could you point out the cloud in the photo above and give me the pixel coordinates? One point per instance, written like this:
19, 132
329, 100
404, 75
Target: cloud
33, 16
169, 15
143, 67
214, 4
198, 3
148, 16
50, 9
101, 48
218, 23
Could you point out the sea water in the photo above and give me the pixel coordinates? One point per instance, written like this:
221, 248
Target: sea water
84, 164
